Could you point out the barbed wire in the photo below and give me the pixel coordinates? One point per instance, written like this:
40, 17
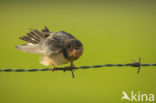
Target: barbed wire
135, 64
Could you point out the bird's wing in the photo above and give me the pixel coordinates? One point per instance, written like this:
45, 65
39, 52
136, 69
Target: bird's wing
44, 42
56, 41
31, 48
34, 39
62, 35
36, 36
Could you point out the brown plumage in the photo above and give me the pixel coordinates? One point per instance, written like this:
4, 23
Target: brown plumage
57, 47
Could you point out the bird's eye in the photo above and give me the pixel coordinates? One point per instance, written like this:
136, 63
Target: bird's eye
77, 48
71, 47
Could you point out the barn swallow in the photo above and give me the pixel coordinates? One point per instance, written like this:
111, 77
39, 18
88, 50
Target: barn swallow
56, 47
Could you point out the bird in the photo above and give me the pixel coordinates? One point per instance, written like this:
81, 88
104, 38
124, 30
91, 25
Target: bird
57, 48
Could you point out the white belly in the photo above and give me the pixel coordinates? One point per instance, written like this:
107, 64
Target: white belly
54, 60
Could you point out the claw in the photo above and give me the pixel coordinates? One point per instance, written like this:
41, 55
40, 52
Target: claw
53, 68
72, 65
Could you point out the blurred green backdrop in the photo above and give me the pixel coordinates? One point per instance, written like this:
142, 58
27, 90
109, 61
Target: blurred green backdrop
111, 31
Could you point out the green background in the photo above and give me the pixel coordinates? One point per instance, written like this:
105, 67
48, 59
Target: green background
111, 32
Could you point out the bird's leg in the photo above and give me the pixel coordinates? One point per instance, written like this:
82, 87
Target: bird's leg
53, 67
72, 67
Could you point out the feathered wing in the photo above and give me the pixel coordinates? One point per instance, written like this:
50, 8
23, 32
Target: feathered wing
62, 35
34, 39
55, 42
31, 48
44, 42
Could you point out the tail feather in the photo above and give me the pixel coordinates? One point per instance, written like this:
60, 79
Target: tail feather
45, 29
31, 48
25, 38
35, 36
41, 35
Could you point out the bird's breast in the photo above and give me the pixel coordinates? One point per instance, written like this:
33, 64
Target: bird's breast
57, 59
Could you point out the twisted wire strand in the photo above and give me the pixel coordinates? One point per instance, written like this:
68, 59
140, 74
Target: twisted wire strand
135, 64
80, 67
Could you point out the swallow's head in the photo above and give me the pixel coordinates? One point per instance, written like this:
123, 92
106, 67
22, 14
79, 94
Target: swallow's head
73, 49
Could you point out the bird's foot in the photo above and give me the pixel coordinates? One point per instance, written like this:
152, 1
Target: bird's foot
72, 66
53, 68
